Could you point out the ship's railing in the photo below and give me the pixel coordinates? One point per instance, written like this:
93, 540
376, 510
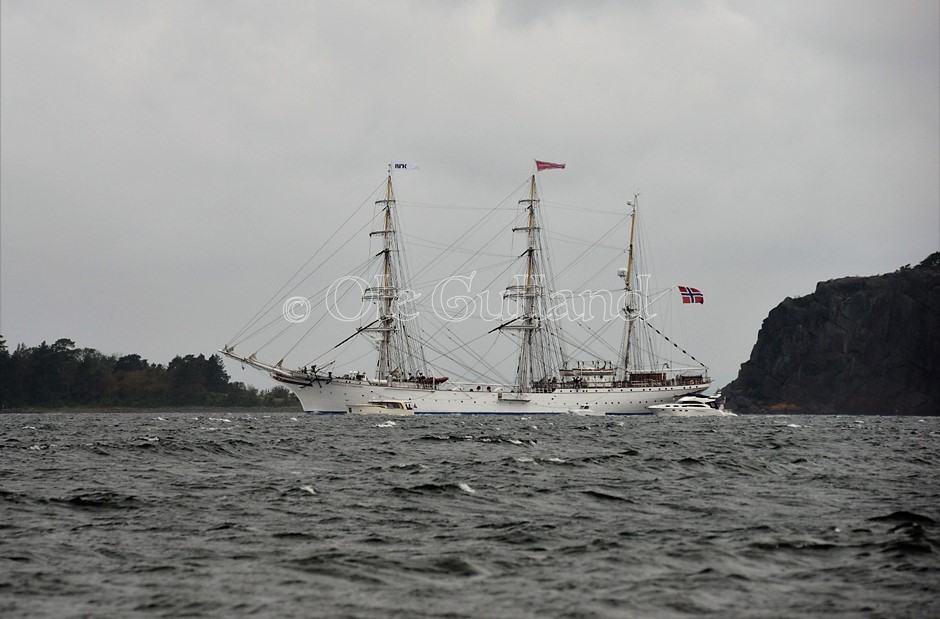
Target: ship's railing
636, 380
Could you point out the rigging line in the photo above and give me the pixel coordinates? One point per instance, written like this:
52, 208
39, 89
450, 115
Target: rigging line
290, 324
472, 228
358, 267
465, 346
307, 332
512, 354
583, 243
433, 347
443, 206
457, 374
473, 254
611, 230
358, 331
279, 315
666, 337
505, 270
268, 305
597, 335
276, 335
453, 248
493, 281
490, 349
554, 331
510, 266
323, 317
449, 373
350, 362
499, 379
465, 379
471, 257
604, 236
505, 324
581, 348
443, 323
418, 345
265, 308
583, 209
481, 359
458, 362
430, 244
600, 270
482, 269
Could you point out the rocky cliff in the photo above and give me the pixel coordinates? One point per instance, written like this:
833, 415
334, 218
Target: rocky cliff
863, 345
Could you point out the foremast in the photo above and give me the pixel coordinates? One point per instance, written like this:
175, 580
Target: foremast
400, 353
541, 353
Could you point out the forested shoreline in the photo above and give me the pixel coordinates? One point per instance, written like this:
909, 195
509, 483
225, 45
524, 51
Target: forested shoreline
61, 375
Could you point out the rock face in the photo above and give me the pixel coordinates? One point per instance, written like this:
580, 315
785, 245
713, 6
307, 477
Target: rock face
857, 345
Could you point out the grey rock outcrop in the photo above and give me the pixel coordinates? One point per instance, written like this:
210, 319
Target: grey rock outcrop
861, 345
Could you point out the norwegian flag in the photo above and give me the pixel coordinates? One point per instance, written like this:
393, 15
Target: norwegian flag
548, 165
691, 295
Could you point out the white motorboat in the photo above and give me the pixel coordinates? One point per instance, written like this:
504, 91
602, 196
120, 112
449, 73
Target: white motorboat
382, 407
691, 406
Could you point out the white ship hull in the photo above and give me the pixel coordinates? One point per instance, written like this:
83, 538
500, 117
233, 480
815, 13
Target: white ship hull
336, 396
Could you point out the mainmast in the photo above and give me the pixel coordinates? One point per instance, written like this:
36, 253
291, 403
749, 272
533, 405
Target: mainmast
400, 357
540, 350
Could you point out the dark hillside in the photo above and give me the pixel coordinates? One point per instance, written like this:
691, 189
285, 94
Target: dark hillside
867, 345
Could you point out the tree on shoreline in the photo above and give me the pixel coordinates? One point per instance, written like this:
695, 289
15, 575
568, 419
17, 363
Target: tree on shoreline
62, 375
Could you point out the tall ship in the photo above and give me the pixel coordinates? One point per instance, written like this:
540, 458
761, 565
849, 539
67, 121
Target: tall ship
549, 377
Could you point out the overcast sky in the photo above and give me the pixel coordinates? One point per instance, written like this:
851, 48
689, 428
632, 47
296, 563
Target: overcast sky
167, 165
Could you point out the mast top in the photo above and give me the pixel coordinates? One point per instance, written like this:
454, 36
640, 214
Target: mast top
629, 270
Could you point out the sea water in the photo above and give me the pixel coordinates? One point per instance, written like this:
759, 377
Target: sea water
285, 514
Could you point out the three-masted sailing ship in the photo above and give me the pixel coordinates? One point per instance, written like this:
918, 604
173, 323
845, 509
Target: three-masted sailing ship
548, 379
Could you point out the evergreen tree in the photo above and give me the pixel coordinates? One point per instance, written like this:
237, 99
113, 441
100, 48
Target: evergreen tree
62, 375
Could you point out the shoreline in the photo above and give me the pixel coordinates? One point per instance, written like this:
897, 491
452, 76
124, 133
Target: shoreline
154, 409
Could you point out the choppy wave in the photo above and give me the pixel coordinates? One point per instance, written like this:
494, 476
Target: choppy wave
280, 515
